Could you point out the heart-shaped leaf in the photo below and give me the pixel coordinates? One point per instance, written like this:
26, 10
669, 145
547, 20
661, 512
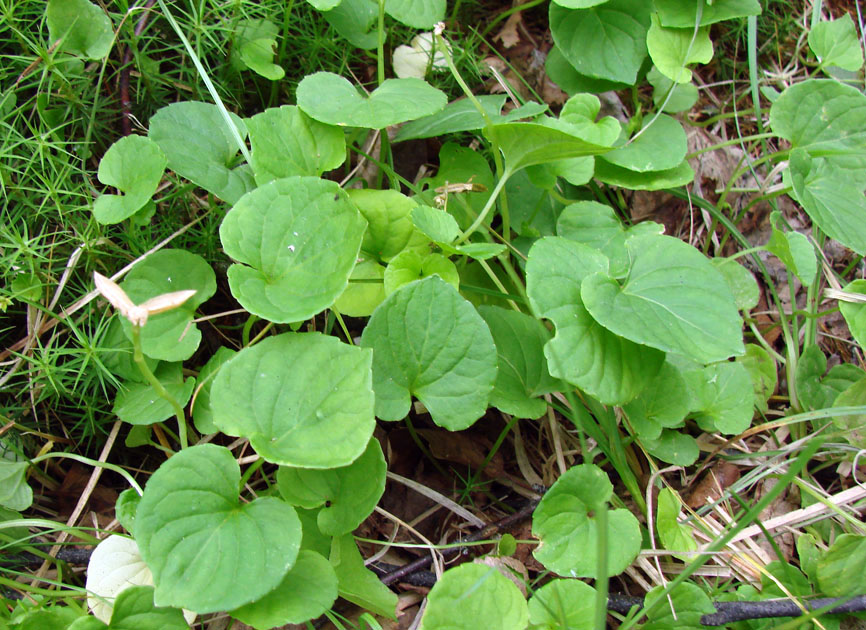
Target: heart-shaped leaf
308, 590
416, 13
522, 373
460, 115
449, 366
171, 335
138, 403
331, 99
649, 180
286, 142
673, 535
724, 399
134, 610
85, 28
349, 493
303, 399
741, 282
475, 596
460, 165
297, 240
565, 523
194, 138
409, 266
438, 225
607, 41
763, 372
563, 604
604, 364
526, 144
258, 55
365, 292
660, 146
835, 43
673, 299
561, 72
673, 49
206, 550
673, 447
353, 20
793, 249
664, 403
15, 493
134, 165
389, 225
689, 601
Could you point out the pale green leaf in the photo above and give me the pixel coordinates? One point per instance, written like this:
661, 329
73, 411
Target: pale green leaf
15, 493
139, 403
763, 372
389, 224
365, 292
793, 249
353, 20
416, 13
357, 583
134, 165
558, 601
673, 447
258, 55
855, 312
673, 535
664, 402
835, 43
724, 397
85, 28
659, 146
682, 95
441, 352
840, 570
687, 604
409, 266
853, 425
207, 551
649, 180
673, 49
683, 13
202, 414
741, 282
303, 399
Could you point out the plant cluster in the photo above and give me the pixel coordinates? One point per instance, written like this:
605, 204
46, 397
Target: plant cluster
514, 279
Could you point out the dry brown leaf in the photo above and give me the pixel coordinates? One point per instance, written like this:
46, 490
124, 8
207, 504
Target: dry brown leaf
721, 476
463, 449
508, 36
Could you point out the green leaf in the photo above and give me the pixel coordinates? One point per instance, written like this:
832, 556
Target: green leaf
125, 508
831, 200
682, 98
563, 605
170, 336
134, 165
353, 20
349, 493
817, 391
85, 28
578, 4
607, 41
331, 99
441, 352
561, 72
597, 225
457, 116
416, 13
724, 399
673, 447
459, 164
582, 352
855, 312
389, 225
474, 596
202, 414
673, 49
522, 373
840, 571
297, 240
198, 145
673, 535
15, 493
854, 426
578, 117
117, 354
138, 403
438, 225
303, 399
360, 299
258, 55
323, 5
206, 550
249, 30
835, 43
762, 370
357, 583
409, 266
285, 142
660, 146
793, 249
663, 403
673, 299
134, 610
565, 523
650, 180
683, 13
525, 144
307, 591
740, 281
688, 601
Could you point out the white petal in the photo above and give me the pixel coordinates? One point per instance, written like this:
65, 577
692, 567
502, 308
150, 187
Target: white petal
409, 62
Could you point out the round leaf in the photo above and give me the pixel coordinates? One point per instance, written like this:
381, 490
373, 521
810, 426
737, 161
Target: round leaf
134, 165
673, 447
302, 399
562, 604
85, 28
429, 342
835, 43
297, 240
648, 180
206, 550
605, 365
331, 99
673, 49
308, 590
840, 571
565, 522
139, 403
349, 493
664, 403
660, 146
15, 492
474, 596
416, 13
389, 224
409, 266
135, 610
258, 55
740, 281
673, 299
724, 397
360, 299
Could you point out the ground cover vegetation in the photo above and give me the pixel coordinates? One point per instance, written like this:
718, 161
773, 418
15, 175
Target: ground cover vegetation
305, 300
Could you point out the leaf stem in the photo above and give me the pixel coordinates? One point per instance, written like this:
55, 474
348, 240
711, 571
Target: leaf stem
484, 212
91, 462
138, 357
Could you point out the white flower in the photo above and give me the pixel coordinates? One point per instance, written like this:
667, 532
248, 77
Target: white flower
412, 61
115, 565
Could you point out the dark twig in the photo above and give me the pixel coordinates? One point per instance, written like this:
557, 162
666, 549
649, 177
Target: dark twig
729, 612
485, 532
72, 555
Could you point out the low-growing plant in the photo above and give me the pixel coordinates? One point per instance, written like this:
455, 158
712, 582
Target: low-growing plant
513, 274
